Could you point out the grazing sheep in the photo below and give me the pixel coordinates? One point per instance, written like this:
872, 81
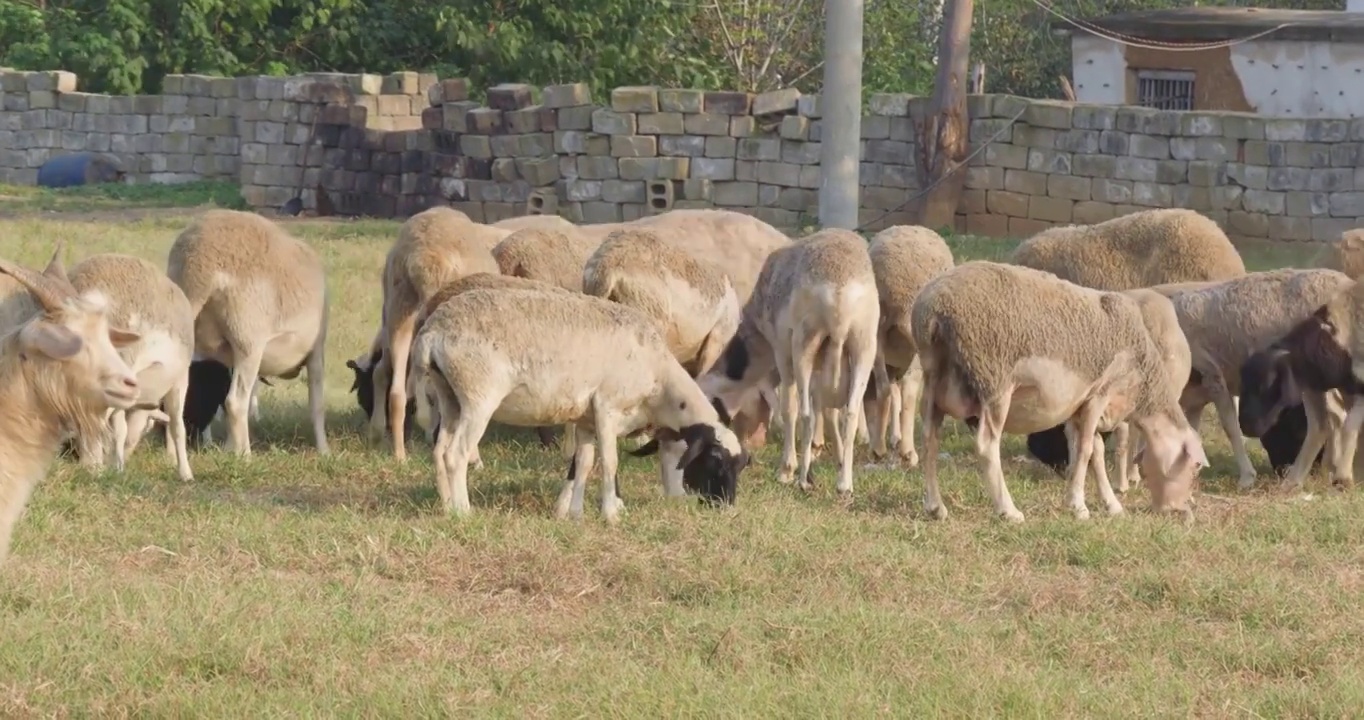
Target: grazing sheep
260, 305
434, 248
904, 258
141, 298
1024, 350
1141, 249
1315, 357
555, 256
532, 358
1346, 254
1228, 322
209, 381
814, 310
60, 373
691, 301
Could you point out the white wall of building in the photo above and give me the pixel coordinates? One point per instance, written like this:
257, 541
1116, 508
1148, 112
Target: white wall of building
1279, 78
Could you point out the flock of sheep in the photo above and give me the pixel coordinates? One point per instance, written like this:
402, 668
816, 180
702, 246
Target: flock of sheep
698, 327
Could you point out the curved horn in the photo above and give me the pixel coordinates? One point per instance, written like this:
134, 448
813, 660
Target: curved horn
48, 291
56, 270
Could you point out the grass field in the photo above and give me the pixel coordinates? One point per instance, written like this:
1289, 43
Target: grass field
291, 585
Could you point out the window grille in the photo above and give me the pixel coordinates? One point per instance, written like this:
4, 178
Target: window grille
1165, 89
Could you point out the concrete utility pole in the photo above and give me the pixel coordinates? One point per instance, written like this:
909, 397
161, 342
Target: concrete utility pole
841, 101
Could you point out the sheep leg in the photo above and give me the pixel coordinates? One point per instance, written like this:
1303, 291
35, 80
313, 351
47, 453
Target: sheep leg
1226, 413
805, 350
1345, 449
786, 404
570, 502
669, 453
911, 388
238, 402
606, 440
119, 421
468, 430
378, 420
176, 436
1096, 463
1124, 457
932, 420
400, 347
989, 435
861, 356
1318, 428
317, 399
91, 449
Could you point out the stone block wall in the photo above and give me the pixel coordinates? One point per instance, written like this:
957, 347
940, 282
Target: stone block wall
392, 145
188, 133
1276, 179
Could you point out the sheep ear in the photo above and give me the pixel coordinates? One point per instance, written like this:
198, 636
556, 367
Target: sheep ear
54, 341
123, 338
694, 435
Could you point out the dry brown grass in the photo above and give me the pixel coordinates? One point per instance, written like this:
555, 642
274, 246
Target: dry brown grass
293, 585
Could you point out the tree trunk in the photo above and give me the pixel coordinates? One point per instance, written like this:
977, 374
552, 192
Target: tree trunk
943, 142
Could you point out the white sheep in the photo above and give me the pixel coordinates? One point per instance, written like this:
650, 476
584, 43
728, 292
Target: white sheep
143, 299
552, 255
904, 258
60, 373
434, 248
814, 310
1140, 249
260, 303
1024, 350
534, 358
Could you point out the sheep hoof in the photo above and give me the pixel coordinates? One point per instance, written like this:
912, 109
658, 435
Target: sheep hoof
786, 476
1342, 483
845, 497
1115, 510
911, 460
1246, 482
936, 512
1014, 516
1081, 512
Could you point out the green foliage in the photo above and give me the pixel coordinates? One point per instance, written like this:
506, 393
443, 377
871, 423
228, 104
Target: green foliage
128, 46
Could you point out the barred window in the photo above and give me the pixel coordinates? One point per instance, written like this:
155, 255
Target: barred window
1165, 89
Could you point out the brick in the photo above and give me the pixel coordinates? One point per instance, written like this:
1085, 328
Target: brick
1264, 201
671, 168
1048, 161
565, 96
576, 118
972, 202
1191, 196
1134, 168
681, 101
1048, 114
1206, 174
504, 170
1346, 155
476, 146
746, 170
1281, 129
800, 153
697, 189
660, 124
776, 101
635, 99
634, 145
1330, 229
721, 147
1282, 178
742, 126
1092, 117
985, 178
538, 171
1091, 212
795, 127
727, 103
1113, 142
1331, 180
1102, 166
1304, 204
1003, 202
1150, 194
1026, 227
601, 212
1068, 187
779, 173
1050, 209
510, 96
1027, 183
607, 122
890, 151
1346, 204
809, 106
597, 168
1006, 156
705, 124
681, 146
759, 149
734, 194
890, 104
1111, 191
485, 121
582, 190
623, 191
1226, 197
1034, 137
1172, 171
1145, 146
525, 120
718, 169
1243, 127
1295, 229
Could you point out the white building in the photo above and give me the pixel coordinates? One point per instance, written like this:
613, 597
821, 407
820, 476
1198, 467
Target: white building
1278, 63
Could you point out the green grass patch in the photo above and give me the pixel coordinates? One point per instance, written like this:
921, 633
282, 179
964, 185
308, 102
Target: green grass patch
18, 199
289, 585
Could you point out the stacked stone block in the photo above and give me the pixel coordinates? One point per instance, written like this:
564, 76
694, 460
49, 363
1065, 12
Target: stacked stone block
392, 145
1290, 180
187, 133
